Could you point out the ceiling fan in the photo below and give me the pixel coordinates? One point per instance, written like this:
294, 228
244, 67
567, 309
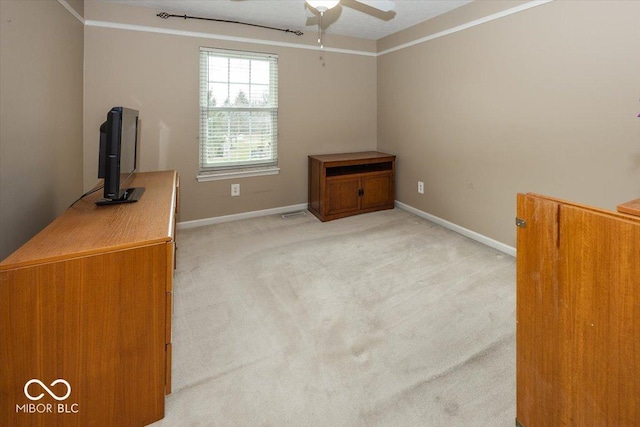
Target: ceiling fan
324, 5
321, 6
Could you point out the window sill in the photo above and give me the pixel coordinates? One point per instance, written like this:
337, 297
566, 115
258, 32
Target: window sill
216, 176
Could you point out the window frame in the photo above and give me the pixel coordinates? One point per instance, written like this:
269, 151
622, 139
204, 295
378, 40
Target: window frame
213, 171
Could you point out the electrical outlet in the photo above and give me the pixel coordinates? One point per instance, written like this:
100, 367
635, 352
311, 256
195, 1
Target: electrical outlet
420, 187
235, 190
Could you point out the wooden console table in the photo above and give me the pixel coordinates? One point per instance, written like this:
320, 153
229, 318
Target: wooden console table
88, 301
351, 183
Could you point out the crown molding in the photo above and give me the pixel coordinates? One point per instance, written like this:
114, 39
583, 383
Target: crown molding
197, 34
183, 33
471, 24
72, 11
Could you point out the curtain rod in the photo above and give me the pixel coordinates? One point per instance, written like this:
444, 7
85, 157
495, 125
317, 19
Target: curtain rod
165, 15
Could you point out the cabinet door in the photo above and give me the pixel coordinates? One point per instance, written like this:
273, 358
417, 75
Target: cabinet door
342, 195
377, 190
537, 314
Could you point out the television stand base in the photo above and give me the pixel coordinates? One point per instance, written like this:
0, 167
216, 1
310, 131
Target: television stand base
130, 195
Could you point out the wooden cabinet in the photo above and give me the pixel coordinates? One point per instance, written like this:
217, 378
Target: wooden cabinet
578, 315
351, 183
85, 314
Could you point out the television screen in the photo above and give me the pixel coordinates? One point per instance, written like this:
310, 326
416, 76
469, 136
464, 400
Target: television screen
128, 144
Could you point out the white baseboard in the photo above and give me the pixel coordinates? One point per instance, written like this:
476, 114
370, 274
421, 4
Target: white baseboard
235, 217
303, 206
509, 250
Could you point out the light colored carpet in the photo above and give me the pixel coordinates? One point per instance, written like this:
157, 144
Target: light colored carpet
382, 319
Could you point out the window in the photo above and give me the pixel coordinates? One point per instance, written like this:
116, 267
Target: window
238, 113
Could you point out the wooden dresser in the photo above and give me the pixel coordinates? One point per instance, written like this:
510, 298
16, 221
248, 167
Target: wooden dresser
351, 183
85, 314
578, 314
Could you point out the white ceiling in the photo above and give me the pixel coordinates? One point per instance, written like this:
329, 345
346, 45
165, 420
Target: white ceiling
350, 18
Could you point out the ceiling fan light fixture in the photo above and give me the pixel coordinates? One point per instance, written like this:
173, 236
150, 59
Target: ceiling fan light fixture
323, 5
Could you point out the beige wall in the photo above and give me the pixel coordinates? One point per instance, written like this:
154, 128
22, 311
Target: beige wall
322, 108
541, 101
40, 117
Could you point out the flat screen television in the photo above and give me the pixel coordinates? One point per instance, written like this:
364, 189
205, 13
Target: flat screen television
118, 159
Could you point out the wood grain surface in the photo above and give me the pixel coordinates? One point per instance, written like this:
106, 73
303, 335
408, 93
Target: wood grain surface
537, 314
578, 305
632, 207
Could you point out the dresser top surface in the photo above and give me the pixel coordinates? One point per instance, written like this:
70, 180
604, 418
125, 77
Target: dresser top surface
86, 229
350, 157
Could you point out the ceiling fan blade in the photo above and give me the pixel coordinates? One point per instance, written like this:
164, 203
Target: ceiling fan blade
383, 5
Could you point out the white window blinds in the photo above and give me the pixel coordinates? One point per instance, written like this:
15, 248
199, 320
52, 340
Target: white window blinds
238, 110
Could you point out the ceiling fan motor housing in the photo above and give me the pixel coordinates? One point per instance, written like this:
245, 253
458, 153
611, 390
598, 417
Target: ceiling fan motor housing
323, 5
